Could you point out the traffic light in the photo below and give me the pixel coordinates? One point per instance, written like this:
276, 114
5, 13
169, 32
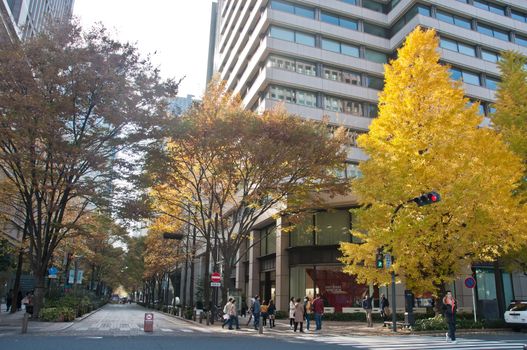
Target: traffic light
379, 260
427, 198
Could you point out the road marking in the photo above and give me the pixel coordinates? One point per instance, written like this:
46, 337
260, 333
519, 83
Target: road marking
186, 330
166, 330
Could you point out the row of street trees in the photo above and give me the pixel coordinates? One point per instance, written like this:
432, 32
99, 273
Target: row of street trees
71, 100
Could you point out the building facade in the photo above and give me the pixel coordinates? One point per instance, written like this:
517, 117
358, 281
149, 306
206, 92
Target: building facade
325, 58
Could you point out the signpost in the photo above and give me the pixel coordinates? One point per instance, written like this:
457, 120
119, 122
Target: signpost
52, 272
215, 279
470, 283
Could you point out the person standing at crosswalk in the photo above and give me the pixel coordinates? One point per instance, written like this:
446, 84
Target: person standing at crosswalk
450, 309
367, 305
299, 315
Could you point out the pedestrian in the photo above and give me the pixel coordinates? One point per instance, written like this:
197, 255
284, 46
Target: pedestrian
271, 310
385, 309
226, 317
19, 301
256, 311
243, 309
233, 315
28, 303
263, 312
367, 305
9, 300
308, 310
251, 309
450, 309
318, 309
299, 315
291, 312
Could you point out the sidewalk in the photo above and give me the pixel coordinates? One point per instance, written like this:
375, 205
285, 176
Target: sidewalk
335, 328
12, 323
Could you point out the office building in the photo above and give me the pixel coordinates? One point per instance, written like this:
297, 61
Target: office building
325, 58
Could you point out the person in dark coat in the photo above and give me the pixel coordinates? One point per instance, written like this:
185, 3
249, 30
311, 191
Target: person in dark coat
384, 306
9, 300
450, 309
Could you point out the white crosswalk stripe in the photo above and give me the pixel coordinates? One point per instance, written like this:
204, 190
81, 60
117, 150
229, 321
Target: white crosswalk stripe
411, 343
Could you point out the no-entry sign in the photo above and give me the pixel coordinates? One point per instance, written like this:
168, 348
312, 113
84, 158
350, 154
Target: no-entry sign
215, 277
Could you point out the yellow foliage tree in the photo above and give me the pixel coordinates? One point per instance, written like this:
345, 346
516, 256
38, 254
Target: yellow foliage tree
428, 138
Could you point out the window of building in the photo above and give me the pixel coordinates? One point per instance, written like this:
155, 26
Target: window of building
519, 16
455, 74
373, 110
490, 56
374, 6
332, 104
302, 233
349, 50
282, 94
375, 82
351, 78
453, 19
268, 240
305, 39
352, 107
491, 31
306, 68
417, 9
520, 40
375, 56
286, 6
330, 45
485, 5
351, 2
283, 34
376, 30
339, 21
353, 171
305, 98
332, 227
332, 74
492, 83
457, 46
471, 78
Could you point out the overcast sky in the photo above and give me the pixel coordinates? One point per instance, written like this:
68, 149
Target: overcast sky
176, 30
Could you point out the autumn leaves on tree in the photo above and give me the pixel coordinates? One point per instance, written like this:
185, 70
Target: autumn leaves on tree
427, 137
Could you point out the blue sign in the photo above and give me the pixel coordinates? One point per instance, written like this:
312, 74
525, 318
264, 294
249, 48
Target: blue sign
470, 282
52, 272
388, 261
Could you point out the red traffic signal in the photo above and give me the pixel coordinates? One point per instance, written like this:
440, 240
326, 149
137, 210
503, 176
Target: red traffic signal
427, 198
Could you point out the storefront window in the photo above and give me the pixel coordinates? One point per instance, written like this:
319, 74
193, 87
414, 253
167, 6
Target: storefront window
302, 233
486, 284
338, 289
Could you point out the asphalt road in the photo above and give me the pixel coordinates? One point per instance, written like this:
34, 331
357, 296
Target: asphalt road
121, 327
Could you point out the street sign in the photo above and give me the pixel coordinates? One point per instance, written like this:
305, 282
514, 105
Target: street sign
215, 284
215, 277
52, 272
470, 282
388, 261
149, 316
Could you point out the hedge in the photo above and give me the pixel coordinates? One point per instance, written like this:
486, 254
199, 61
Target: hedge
57, 314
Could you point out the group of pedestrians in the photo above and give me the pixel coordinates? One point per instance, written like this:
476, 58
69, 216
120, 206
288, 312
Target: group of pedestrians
300, 311
18, 302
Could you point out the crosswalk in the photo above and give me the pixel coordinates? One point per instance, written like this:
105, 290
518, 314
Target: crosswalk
131, 328
410, 343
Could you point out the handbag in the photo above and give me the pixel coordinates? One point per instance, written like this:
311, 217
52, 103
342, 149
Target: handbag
226, 317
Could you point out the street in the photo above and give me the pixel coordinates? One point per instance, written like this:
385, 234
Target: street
121, 326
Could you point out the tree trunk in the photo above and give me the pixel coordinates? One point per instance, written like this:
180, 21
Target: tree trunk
40, 290
227, 270
438, 300
18, 275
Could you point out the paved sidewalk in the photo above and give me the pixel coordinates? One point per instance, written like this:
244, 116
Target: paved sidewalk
12, 323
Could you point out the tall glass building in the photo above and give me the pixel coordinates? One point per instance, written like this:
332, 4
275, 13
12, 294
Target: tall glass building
325, 58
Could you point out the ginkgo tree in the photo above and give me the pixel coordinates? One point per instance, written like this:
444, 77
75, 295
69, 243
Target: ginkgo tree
510, 120
428, 137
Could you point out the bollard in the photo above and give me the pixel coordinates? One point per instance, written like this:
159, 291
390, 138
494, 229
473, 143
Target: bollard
25, 321
149, 322
260, 326
207, 316
201, 317
194, 316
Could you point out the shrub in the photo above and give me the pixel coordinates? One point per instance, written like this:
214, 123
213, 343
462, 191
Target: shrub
57, 314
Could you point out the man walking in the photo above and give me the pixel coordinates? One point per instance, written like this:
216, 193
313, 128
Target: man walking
233, 315
450, 309
226, 315
318, 309
367, 305
256, 312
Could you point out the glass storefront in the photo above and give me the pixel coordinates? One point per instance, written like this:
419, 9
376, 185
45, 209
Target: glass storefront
338, 289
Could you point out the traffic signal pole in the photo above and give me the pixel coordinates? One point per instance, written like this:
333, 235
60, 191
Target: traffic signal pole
394, 306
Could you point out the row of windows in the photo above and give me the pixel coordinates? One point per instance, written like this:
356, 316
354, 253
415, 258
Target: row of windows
326, 44
495, 8
330, 103
293, 8
336, 74
473, 78
373, 5
323, 228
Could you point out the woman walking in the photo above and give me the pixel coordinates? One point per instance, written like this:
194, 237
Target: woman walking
450, 309
299, 315
291, 312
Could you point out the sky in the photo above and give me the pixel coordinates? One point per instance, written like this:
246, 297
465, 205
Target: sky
177, 31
